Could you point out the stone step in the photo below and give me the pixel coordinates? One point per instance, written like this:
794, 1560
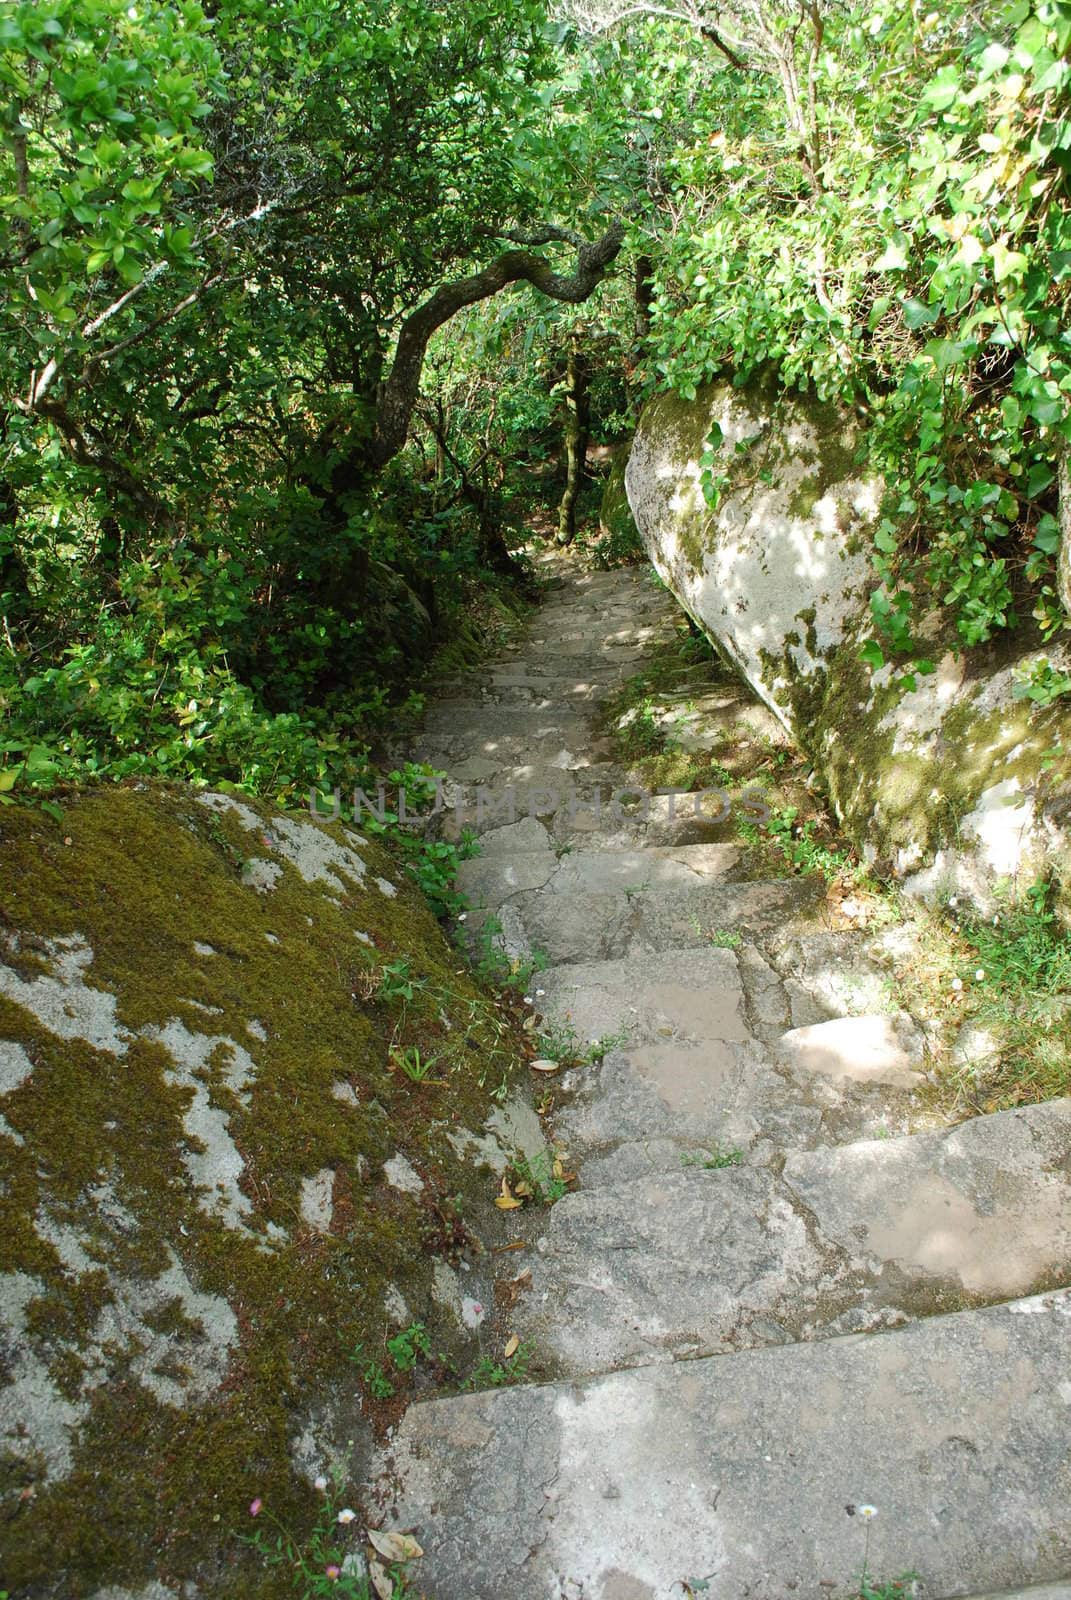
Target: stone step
693, 1262
702, 1055
490, 881
745, 1472
461, 718
583, 927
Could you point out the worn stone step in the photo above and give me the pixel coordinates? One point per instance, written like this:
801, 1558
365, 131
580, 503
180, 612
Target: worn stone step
467, 719
489, 882
746, 1471
701, 1055
586, 926
690, 1262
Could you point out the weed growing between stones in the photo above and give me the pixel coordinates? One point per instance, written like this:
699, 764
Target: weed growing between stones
329, 1560
801, 846
561, 1043
493, 965
1005, 982
512, 1368
712, 1160
541, 1178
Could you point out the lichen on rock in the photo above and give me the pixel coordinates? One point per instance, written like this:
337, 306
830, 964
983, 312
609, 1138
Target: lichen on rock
955, 783
198, 1105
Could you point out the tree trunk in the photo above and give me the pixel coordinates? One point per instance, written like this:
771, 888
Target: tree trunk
1063, 562
12, 575
577, 426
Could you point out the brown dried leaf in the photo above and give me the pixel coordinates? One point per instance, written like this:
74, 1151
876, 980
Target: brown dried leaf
394, 1546
381, 1583
505, 1201
512, 1346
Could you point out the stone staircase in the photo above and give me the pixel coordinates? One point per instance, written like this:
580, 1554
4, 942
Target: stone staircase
775, 1294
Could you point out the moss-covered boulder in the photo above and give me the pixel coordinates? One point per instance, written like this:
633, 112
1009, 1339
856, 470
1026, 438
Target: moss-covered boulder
222, 1188
956, 783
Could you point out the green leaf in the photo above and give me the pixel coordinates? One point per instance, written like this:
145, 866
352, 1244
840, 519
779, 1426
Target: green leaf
918, 315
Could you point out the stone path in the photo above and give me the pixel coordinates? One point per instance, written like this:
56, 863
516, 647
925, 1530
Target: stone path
769, 1300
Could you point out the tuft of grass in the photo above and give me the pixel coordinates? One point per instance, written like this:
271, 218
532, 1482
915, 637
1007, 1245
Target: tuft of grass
712, 1160
801, 847
1009, 975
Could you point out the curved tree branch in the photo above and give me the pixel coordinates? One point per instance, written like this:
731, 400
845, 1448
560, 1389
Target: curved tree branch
399, 392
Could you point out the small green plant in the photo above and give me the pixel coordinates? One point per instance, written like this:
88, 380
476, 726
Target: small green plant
561, 1043
396, 981
405, 1347
725, 939
796, 842
495, 966
491, 1374
377, 1383
1042, 684
322, 1563
541, 1178
889, 1589
872, 1588
417, 1068
712, 1160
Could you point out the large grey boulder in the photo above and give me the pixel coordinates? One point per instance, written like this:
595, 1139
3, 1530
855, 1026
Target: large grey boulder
952, 784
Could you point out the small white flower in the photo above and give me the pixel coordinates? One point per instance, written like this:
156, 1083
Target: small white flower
528, 999
346, 1516
867, 1511
321, 1484
953, 902
464, 917
957, 985
979, 975
540, 993
996, 922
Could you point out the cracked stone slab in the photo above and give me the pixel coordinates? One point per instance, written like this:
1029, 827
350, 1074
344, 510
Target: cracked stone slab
737, 1469
593, 927
490, 882
986, 1205
677, 1264
720, 1094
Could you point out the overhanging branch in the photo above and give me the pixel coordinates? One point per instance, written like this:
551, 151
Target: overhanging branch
400, 390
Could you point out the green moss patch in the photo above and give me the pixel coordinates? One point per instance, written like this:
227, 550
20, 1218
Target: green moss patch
196, 1334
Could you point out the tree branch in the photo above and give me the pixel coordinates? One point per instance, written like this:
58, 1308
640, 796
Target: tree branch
719, 43
399, 393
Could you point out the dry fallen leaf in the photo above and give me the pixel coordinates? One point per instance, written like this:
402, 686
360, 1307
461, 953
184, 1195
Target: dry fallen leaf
506, 1201
525, 1189
558, 1169
544, 1064
381, 1583
394, 1546
511, 1348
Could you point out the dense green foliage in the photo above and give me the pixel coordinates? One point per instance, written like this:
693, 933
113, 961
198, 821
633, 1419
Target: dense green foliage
874, 200
211, 227
216, 223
